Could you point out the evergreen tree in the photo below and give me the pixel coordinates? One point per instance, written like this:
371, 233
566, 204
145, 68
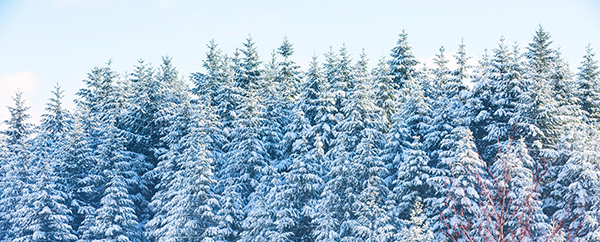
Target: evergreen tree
15, 174
207, 84
293, 200
44, 215
460, 203
115, 217
289, 72
545, 110
574, 192
418, 227
495, 101
588, 89
512, 209
184, 207
373, 222
411, 180
403, 62
386, 91
18, 130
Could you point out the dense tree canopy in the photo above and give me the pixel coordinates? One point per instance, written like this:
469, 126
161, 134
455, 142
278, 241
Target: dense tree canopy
252, 150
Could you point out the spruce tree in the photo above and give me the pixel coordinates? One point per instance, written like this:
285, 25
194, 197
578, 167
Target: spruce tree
45, 215
403, 62
588, 89
495, 101
16, 177
461, 192
294, 199
184, 206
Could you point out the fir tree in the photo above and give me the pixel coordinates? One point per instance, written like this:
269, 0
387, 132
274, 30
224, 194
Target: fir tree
588, 89
418, 227
16, 177
495, 101
403, 62
574, 191
44, 215
184, 207
461, 193
115, 217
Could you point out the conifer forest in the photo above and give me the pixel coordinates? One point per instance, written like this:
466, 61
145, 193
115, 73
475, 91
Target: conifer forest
253, 149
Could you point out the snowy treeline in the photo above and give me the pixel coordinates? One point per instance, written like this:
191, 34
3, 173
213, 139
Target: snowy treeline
264, 151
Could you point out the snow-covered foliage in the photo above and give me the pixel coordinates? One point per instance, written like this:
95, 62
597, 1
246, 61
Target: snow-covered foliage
259, 151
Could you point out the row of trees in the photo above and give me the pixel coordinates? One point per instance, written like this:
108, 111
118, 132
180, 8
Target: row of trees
259, 151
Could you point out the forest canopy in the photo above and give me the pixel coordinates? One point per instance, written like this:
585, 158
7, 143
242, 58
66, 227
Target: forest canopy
263, 150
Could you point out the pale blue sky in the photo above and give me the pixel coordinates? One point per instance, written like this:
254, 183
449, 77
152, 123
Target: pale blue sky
44, 42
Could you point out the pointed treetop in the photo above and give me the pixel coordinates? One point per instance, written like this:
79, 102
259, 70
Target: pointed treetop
18, 129
403, 62
286, 49
589, 66
56, 120
168, 71
362, 64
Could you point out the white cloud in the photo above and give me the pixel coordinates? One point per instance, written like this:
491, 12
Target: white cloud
25, 81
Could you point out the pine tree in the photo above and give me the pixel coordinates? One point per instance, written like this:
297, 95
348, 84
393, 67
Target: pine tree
373, 220
15, 173
574, 192
512, 210
588, 89
184, 207
495, 101
293, 200
418, 227
45, 215
115, 217
411, 180
386, 91
289, 72
462, 197
42, 215
18, 130
403, 62
207, 84
545, 111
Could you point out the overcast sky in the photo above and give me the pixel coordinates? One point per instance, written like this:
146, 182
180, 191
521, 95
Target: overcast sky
50, 41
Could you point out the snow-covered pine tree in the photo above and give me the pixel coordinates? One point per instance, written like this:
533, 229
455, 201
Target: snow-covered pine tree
443, 108
289, 72
115, 217
386, 91
44, 215
102, 146
417, 228
151, 102
246, 174
53, 141
461, 193
411, 182
403, 62
588, 88
185, 201
207, 84
544, 112
358, 121
372, 222
19, 130
511, 209
574, 192
494, 103
293, 200
15, 172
